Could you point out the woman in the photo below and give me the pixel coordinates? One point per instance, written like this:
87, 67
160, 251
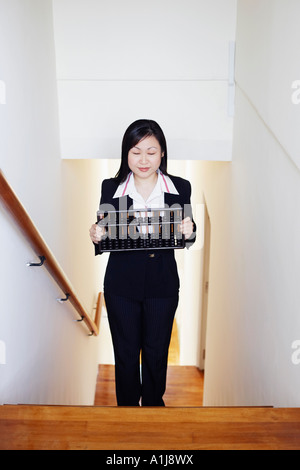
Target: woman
141, 286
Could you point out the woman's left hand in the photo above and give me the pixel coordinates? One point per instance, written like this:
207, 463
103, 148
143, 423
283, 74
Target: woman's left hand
187, 227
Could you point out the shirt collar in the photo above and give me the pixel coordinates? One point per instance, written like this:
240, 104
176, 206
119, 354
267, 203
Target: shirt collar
164, 185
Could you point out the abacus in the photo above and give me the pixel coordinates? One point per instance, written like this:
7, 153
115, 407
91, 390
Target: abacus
142, 229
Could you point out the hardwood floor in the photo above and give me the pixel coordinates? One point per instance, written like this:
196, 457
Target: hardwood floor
174, 349
184, 429
184, 386
105, 390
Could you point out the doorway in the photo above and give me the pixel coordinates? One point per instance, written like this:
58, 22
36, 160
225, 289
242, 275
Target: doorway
205, 288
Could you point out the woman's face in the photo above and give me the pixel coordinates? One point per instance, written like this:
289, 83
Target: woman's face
145, 158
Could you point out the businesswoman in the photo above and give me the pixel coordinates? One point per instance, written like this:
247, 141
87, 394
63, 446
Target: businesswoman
141, 287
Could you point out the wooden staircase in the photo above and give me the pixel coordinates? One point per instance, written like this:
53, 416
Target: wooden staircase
112, 428
183, 425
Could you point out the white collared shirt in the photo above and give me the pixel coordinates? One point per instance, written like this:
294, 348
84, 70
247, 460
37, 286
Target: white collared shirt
157, 197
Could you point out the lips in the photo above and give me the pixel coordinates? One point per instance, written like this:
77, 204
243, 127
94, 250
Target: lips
144, 170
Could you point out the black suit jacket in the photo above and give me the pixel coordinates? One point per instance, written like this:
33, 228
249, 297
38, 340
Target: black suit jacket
136, 274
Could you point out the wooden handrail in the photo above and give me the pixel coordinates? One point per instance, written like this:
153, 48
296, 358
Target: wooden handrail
17, 211
100, 304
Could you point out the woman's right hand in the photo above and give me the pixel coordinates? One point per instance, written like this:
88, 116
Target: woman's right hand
96, 233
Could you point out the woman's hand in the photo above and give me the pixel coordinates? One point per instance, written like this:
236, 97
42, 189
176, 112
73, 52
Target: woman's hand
187, 228
96, 233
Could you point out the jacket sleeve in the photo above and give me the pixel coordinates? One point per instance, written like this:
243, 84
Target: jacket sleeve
189, 213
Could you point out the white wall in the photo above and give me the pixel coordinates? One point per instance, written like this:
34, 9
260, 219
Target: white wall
253, 202
165, 60
49, 358
267, 66
138, 40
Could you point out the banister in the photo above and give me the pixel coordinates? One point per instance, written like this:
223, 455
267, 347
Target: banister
15, 208
100, 304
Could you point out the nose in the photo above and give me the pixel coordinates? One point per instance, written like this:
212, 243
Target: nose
143, 158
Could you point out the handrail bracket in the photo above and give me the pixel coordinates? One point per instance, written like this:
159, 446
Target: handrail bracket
42, 258
64, 300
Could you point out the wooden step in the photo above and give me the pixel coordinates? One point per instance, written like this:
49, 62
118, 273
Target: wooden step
112, 428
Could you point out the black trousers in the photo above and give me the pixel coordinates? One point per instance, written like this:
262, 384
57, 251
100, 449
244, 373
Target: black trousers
146, 327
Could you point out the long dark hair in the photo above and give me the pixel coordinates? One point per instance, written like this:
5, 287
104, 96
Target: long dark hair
136, 132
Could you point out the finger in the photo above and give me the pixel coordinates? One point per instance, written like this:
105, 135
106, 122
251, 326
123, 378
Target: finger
184, 226
96, 233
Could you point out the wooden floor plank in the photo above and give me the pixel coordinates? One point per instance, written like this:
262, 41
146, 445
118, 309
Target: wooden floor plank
109, 428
